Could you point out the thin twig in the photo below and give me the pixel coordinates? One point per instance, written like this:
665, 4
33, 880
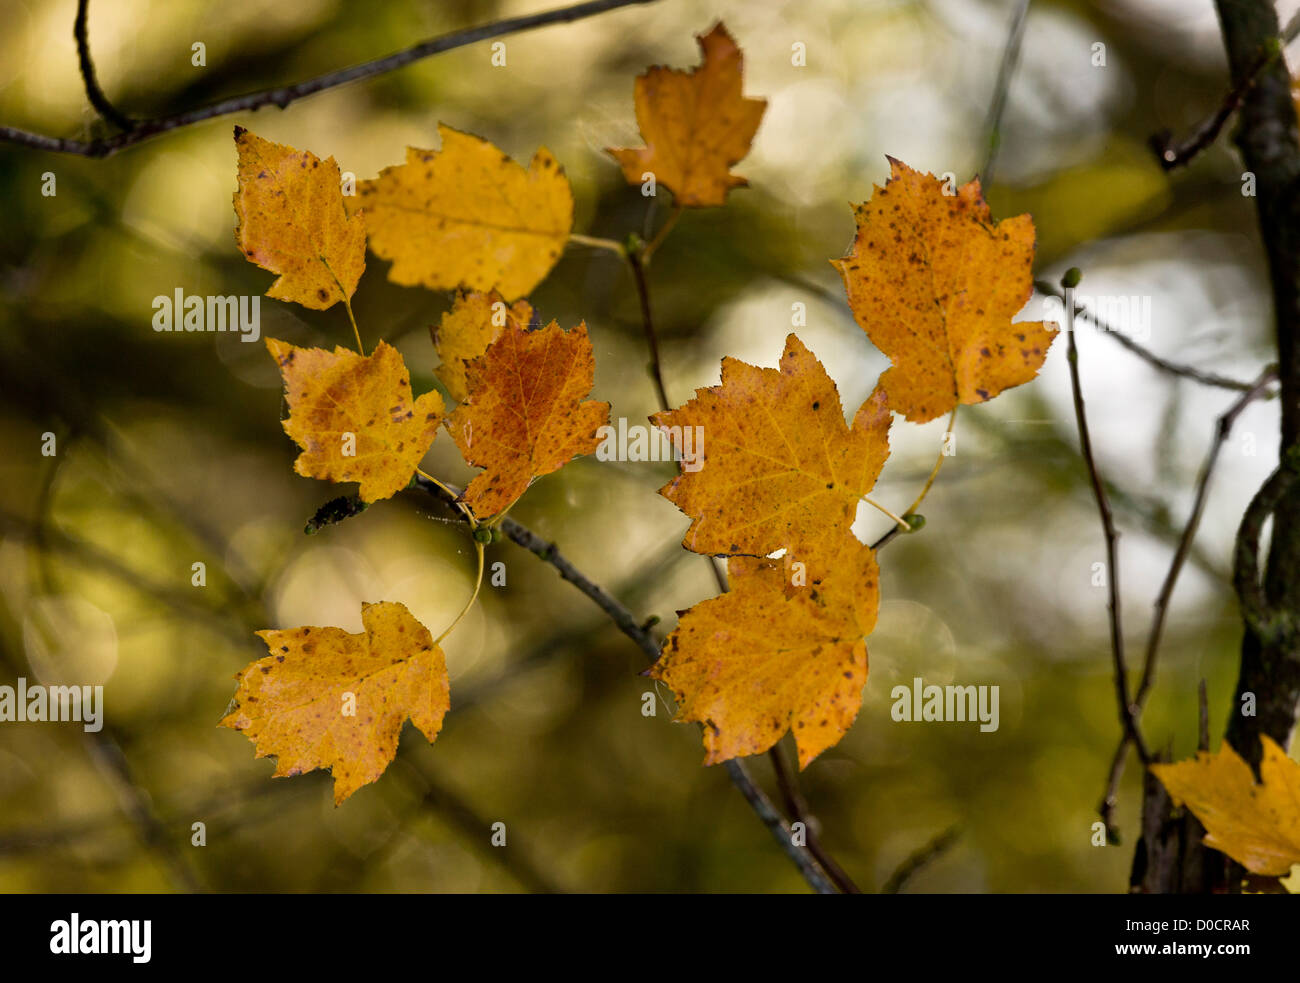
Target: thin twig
93, 92
625, 621
1163, 364
796, 806
283, 96
1222, 430
1126, 714
647, 323
918, 859
1007, 68
1177, 153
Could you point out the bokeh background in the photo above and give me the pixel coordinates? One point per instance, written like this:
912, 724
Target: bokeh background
170, 450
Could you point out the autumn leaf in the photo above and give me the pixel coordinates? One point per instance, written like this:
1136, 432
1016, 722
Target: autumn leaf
324, 698
695, 124
1257, 824
469, 216
762, 659
526, 414
354, 416
292, 222
775, 463
934, 282
473, 323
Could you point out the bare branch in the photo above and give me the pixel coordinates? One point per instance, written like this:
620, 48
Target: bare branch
625, 621
283, 96
1222, 430
796, 807
93, 92
1163, 364
1126, 715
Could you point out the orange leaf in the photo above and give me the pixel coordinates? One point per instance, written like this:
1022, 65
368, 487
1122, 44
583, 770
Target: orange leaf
466, 330
776, 465
469, 216
353, 416
763, 658
934, 282
526, 415
1256, 824
695, 124
292, 222
326, 699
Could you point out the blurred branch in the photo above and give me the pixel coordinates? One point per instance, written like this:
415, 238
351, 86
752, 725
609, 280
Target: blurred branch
1126, 714
93, 92
19, 841
1006, 69
145, 129
1221, 431
1163, 364
625, 621
476, 829
919, 859
103, 746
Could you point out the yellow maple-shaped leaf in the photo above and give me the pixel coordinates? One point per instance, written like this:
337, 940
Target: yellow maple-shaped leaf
527, 413
1257, 824
773, 462
292, 222
354, 416
469, 216
935, 282
473, 323
762, 659
325, 698
695, 124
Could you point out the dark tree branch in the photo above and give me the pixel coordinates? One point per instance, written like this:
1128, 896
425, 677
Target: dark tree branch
93, 92
147, 128
1267, 137
796, 807
626, 623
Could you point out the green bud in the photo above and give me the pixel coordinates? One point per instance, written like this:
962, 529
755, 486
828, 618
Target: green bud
482, 535
915, 521
1072, 277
